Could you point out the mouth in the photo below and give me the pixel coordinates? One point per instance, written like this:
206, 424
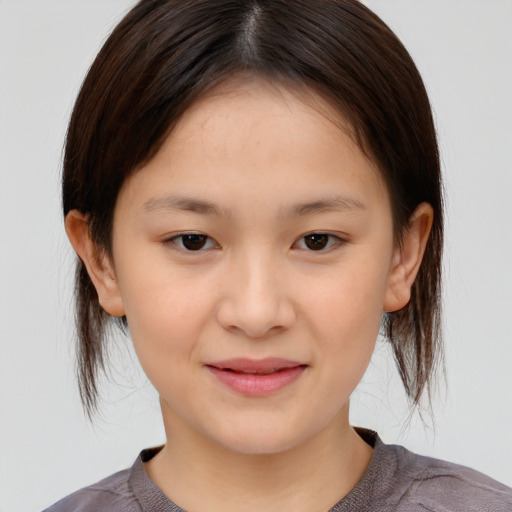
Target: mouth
252, 377
253, 372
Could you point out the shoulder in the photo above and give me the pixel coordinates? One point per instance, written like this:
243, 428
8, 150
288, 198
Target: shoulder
429, 484
112, 493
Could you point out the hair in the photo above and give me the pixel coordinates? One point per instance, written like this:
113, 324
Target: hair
165, 54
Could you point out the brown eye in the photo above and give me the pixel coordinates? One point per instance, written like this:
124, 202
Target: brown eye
193, 241
316, 241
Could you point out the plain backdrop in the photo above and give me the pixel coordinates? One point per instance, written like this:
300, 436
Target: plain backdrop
463, 48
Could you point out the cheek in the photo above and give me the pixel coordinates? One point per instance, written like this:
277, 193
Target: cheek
346, 322
165, 315
350, 302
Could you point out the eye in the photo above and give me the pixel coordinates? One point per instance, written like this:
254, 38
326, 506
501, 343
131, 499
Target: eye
193, 242
318, 241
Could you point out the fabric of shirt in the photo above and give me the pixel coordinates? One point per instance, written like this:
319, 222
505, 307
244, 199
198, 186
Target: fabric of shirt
395, 481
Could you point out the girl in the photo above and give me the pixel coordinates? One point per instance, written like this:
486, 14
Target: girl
253, 190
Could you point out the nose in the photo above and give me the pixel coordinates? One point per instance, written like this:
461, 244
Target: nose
254, 299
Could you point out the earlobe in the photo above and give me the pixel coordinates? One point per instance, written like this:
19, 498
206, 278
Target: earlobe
97, 262
407, 258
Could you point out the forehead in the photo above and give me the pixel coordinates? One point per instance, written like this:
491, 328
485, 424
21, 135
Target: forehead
252, 138
250, 101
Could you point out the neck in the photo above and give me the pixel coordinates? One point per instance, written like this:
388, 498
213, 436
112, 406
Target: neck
310, 477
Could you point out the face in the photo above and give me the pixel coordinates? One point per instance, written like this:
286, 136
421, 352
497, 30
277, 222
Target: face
253, 257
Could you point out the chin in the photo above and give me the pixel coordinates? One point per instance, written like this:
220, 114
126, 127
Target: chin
261, 440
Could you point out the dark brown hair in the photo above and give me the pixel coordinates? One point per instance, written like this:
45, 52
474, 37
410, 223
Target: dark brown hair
165, 54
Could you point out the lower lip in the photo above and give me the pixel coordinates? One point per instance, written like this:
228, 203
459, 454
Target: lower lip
254, 384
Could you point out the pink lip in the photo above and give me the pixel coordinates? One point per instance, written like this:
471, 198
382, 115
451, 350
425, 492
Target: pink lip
250, 377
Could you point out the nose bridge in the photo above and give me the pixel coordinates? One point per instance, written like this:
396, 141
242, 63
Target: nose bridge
255, 299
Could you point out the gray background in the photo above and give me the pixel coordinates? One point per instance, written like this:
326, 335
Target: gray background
463, 49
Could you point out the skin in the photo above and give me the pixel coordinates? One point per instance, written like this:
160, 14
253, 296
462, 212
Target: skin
256, 151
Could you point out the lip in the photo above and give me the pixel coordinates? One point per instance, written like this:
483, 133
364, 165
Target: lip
256, 377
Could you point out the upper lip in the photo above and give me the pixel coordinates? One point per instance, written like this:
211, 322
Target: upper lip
246, 365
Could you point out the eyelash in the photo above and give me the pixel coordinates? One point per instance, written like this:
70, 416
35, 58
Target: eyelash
332, 241
175, 240
209, 243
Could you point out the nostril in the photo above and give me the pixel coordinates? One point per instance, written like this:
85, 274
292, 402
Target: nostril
254, 326
254, 303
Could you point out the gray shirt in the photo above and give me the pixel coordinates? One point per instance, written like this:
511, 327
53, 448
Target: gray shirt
395, 481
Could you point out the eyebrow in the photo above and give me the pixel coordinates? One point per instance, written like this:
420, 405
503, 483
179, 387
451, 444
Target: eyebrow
336, 203
196, 205
188, 204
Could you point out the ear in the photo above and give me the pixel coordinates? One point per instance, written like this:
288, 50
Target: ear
97, 262
407, 258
